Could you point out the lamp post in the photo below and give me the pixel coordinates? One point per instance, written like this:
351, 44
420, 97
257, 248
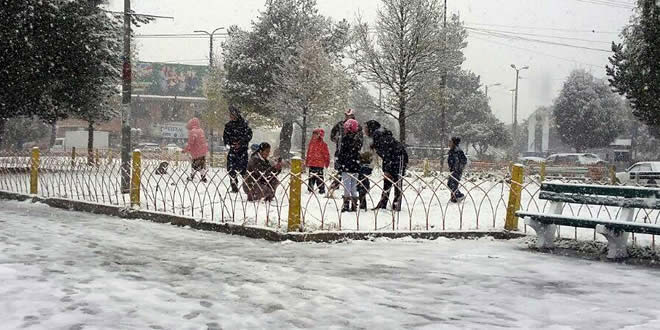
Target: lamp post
492, 85
208, 102
515, 108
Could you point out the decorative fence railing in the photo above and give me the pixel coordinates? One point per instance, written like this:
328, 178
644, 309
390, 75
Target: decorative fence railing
425, 202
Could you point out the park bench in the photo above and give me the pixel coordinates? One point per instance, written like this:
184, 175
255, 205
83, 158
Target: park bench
615, 231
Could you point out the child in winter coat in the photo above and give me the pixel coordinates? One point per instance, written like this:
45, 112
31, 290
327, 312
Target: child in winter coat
363, 178
197, 148
261, 180
318, 158
349, 164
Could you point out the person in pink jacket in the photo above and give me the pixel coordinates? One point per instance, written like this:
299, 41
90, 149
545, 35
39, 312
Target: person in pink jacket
197, 148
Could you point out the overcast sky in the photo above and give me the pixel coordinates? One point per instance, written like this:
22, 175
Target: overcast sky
584, 23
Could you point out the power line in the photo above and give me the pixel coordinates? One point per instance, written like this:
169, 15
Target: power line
509, 36
536, 35
608, 3
594, 31
537, 52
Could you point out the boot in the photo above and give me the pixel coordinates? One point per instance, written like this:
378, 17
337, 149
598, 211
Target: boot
354, 204
346, 206
234, 187
396, 204
382, 205
363, 202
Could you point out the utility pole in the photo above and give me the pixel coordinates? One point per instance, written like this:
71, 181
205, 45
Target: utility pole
443, 110
515, 110
126, 104
208, 102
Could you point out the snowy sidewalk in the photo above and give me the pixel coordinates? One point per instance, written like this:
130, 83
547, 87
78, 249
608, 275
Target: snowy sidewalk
67, 270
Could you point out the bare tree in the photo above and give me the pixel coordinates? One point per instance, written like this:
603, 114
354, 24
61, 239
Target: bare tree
407, 50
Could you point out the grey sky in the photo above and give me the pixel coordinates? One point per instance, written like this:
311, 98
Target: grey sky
487, 56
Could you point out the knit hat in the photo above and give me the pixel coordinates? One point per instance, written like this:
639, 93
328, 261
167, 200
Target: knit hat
350, 113
351, 126
456, 140
254, 147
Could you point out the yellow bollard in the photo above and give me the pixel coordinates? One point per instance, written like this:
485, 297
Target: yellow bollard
514, 198
34, 171
109, 157
542, 171
294, 194
135, 179
73, 156
613, 175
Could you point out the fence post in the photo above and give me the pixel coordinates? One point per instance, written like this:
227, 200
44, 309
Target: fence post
135, 179
34, 171
542, 172
613, 175
73, 156
514, 198
294, 195
427, 168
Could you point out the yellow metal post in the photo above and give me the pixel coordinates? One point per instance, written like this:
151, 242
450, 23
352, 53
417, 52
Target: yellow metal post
109, 157
542, 171
427, 168
135, 179
294, 194
613, 175
73, 156
514, 198
34, 171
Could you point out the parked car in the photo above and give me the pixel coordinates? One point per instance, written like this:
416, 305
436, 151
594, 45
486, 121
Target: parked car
531, 160
149, 147
173, 148
642, 173
576, 159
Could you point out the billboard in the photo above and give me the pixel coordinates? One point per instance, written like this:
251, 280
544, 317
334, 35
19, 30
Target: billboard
173, 131
153, 78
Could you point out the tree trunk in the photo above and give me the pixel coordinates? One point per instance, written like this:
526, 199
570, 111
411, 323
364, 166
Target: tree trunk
3, 127
211, 149
90, 143
402, 121
53, 133
285, 140
303, 134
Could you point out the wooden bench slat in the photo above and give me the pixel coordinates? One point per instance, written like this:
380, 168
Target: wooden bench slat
640, 203
614, 191
562, 220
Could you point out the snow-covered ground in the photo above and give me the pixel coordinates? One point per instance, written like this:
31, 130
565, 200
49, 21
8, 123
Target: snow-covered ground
67, 270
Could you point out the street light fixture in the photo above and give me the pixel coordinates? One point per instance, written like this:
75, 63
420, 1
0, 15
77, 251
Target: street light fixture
492, 85
515, 107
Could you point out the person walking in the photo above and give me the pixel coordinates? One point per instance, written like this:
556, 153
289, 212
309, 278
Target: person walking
456, 160
261, 178
317, 159
197, 147
349, 164
237, 136
395, 160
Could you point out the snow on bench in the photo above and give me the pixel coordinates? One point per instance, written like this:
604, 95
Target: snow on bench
615, 231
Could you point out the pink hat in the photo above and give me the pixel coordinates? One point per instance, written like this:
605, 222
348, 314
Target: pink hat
351, 126
350, 112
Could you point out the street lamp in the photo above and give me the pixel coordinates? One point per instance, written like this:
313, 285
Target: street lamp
515, 106
492, 85
208, 103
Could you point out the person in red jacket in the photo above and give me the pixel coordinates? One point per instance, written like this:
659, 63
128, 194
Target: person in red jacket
197, 148
318, 158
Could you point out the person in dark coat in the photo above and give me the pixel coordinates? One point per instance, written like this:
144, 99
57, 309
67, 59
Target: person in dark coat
349, 164
395, 160
456, 160
261, 180
237, 136
336, 136
363, 178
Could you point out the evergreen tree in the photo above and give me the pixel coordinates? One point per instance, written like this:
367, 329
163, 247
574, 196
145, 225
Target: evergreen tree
635, 64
